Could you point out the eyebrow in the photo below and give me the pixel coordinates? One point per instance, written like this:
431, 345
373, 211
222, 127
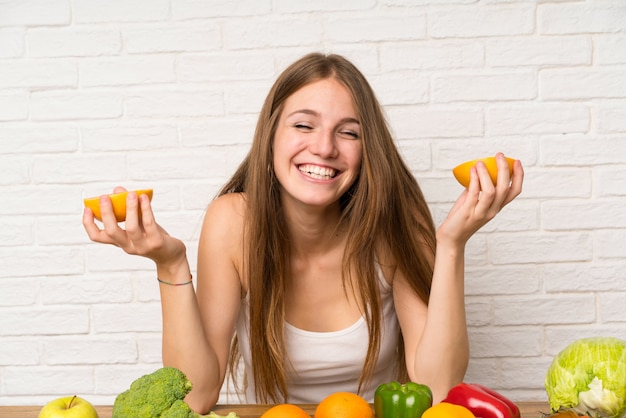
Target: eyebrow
314, 113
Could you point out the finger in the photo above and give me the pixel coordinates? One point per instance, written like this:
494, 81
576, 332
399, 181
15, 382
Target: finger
135, 231
93, 232
503, 178
516, 182
147, 215
133, 225
106, 210
119, 189
503, 181
139, 240
484, 176
88, 216
116, 234
487, 189
152, 230
473, 190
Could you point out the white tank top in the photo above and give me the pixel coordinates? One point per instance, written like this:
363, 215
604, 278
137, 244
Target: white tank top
328, 362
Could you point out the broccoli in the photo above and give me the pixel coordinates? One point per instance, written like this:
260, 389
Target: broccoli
179, 409
158, 395
151, 394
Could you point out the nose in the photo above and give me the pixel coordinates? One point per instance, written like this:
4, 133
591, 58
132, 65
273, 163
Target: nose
324, 144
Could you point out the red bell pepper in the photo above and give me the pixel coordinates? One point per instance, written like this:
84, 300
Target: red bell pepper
482, 401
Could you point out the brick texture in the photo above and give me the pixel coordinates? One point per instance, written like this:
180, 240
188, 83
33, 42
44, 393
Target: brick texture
165, 94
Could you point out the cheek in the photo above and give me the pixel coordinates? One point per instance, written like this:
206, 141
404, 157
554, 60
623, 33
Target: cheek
278, 147
355, 154
281, 158
284, 144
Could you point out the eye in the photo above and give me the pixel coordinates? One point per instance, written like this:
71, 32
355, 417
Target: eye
303, 126
349, 134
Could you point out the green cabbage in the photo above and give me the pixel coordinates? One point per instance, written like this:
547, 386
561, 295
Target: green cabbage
589, 376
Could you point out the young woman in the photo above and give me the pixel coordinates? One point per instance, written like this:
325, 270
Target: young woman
319, 264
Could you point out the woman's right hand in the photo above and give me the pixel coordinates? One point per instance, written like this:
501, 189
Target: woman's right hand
481, 201
141, 236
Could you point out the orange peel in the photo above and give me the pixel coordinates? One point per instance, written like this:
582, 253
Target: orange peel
285, 410
462, 171
118, 200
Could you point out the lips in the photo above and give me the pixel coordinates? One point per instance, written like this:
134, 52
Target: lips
317, 172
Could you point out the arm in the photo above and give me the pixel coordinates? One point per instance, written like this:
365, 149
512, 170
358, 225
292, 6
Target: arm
187, 344
436, 340
218, 295
435, 336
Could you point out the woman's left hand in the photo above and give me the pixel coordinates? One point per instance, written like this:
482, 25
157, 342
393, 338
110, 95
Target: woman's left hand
481, 201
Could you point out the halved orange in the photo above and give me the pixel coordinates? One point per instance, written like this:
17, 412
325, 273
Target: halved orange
119, 204
285, 410
462, 171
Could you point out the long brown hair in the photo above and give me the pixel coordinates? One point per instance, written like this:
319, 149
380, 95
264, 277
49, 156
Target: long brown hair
384, 212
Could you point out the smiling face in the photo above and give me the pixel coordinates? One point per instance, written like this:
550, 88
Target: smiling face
317, 145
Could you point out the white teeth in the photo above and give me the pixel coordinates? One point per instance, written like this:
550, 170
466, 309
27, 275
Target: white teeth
317, 172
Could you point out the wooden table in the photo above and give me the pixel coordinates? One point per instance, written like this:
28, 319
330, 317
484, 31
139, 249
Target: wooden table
528, 409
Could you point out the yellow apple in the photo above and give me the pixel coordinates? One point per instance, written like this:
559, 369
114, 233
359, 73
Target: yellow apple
68, 407
118, 200
462, 171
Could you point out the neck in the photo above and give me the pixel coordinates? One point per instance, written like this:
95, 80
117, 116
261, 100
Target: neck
313, 229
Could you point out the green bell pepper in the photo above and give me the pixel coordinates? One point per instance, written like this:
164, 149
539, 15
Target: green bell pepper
395, 400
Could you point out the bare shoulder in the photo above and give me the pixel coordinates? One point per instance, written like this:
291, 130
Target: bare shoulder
220, 283
221, 237
228, 207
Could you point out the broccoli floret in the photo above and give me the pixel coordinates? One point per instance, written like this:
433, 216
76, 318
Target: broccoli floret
179, 409
152, 394
159, 395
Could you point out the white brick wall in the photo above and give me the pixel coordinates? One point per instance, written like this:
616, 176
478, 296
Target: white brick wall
164, 94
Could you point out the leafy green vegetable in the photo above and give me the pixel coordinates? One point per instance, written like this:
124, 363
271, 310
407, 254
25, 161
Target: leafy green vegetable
150, 395
589, 376
158, 395
179, 409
